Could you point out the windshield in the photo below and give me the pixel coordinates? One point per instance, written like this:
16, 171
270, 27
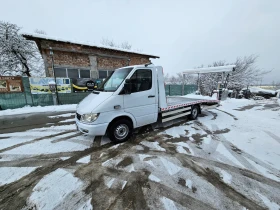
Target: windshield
112, 82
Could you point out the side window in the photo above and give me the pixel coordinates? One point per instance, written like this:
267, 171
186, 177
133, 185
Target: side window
141, 80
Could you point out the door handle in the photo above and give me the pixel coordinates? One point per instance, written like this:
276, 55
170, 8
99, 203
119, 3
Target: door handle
151, 96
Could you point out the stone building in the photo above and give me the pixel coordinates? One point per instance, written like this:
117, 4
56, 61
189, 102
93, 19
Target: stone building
81, 60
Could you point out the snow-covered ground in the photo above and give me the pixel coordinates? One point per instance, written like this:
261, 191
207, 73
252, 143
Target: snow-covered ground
38, 109
229, 158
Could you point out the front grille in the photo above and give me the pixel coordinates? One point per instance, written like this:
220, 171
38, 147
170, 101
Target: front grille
78, 116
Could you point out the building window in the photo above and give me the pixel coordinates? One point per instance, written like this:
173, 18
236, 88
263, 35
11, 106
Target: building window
72, 73
104, 73
84, 73
60, 72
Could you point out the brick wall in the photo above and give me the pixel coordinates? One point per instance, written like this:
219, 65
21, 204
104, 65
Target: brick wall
73, 55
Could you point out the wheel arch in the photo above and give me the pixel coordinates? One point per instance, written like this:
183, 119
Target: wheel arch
199, 107
127, 117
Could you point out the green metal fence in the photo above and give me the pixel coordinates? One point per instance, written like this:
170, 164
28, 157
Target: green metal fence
179, 90
17, 100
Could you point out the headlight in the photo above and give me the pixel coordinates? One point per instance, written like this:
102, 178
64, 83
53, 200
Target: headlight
87, 118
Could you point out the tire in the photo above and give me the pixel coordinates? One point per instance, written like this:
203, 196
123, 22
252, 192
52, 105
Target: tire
120, 130
194, 112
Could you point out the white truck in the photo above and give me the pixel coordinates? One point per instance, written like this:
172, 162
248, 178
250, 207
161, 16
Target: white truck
132, 97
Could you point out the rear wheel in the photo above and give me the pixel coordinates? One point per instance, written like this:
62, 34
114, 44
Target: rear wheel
194, 112
120, 130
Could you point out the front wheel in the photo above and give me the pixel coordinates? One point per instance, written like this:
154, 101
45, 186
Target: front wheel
120, 131
194, 112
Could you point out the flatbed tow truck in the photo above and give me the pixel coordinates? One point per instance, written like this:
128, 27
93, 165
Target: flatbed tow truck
133, 97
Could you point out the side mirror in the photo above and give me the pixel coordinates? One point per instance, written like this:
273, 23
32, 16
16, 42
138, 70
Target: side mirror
127, 88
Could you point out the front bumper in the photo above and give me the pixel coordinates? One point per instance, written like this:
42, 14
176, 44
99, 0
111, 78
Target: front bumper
92, 130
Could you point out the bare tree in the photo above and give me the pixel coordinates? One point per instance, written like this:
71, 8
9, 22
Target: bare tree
126, 45
275, 85
166, 78
109, 42
246, 73
39, 31
173, 80
18, 56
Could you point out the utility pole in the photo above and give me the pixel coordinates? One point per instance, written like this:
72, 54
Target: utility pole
55, 95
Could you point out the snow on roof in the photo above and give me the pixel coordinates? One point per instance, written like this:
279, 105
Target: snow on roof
42, 36
210, 69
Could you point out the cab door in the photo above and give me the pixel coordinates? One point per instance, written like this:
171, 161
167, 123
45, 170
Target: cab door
142, 103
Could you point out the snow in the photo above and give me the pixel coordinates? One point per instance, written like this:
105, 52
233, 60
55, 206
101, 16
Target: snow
271, 205
38, 109
152, 145
222, 150
47, 147
194, 96
53, 188
257, 90
109, 181
142, 156
85, 159
168, 204
87, 205
180, 149
170, 167
226, 177
84, 43
154, 178
11, 174
227, 68
68, 120
176, 132
263, 170
183, 144
189, 184
62, 115
64, 158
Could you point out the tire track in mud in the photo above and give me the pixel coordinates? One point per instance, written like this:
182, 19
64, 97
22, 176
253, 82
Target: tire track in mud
31, 157
27, 163
131, 197
66, 138
276, 138
213, 178
35, 140
14, 195
214, 115
24, 128
250, 174
237, 153
230, 147
181, 198
235, 118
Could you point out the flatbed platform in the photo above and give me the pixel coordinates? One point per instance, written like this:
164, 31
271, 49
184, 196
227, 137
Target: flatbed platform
177, 101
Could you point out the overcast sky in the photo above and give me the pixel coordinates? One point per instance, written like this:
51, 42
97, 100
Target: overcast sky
185, 34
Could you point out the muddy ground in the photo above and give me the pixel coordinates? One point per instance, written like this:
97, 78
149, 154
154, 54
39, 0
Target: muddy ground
153, 170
